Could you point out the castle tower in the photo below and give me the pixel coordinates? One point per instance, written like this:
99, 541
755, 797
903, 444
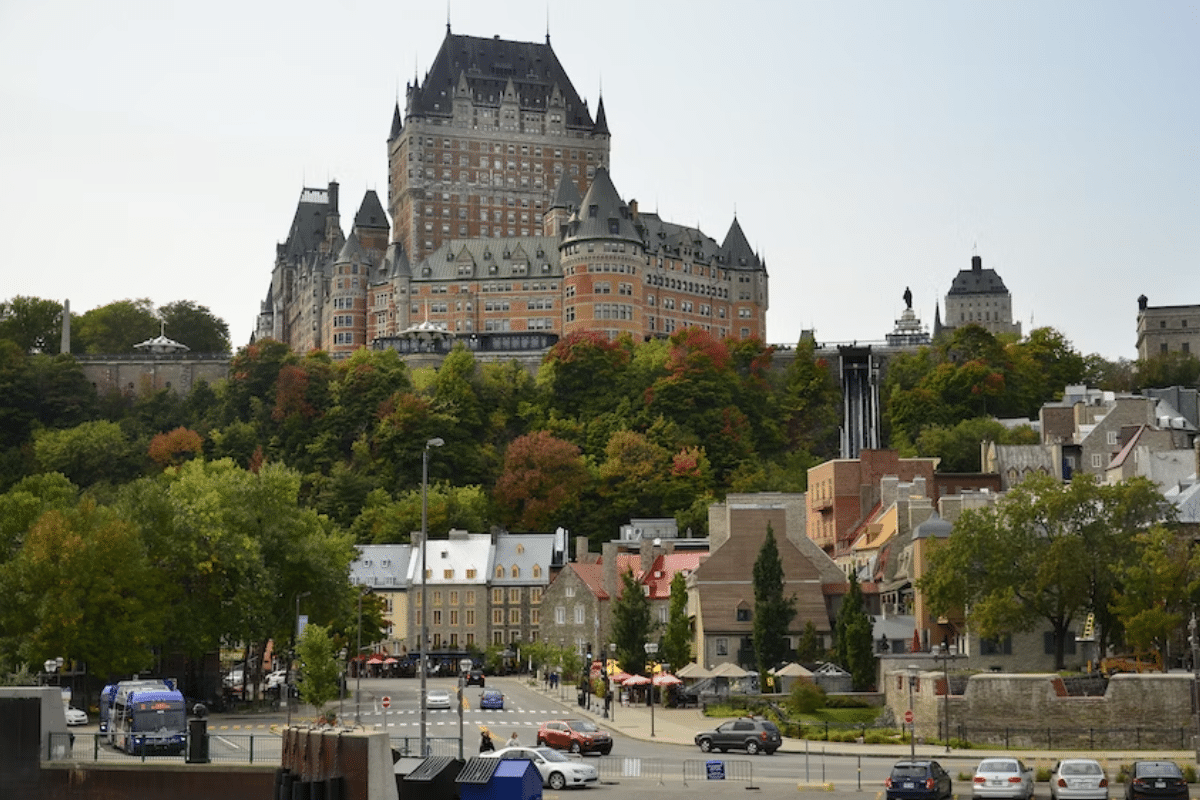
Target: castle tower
484, 141
602, 262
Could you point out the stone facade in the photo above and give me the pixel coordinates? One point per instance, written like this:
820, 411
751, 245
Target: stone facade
1167, 329
137, 374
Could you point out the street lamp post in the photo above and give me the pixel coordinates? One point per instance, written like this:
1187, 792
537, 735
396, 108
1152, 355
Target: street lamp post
912, 731
358, 664
464, 664
651, 649
945, 654
434, 442
287, 682
612, 654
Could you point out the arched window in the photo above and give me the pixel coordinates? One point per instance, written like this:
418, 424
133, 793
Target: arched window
499, 571
516, 571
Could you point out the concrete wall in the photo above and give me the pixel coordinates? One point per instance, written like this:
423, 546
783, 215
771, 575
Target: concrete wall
1023, 710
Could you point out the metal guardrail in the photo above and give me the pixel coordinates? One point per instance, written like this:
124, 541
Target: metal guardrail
409, 746
226, 748
613, 767
717, 769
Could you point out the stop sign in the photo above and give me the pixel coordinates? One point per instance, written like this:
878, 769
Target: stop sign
908, 715
387, 703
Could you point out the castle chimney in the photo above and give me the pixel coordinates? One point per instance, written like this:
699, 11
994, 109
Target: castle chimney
976, 263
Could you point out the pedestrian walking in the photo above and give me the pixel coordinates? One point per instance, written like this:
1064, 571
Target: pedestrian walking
485, 740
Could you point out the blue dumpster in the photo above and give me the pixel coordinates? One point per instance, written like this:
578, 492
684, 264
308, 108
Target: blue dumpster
496, 779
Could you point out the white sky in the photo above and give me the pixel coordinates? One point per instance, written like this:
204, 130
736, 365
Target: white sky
158, 149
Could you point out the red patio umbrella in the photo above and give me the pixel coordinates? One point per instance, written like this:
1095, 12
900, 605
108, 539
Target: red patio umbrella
636, 680
666, 679
375, 659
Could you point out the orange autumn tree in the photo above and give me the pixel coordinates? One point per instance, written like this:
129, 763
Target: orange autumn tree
175, 447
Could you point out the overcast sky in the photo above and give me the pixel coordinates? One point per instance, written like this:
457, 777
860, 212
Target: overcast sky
157, 149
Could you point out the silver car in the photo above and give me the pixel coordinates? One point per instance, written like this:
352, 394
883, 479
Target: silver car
1078, 779
438, 698
1007, 778
557, 769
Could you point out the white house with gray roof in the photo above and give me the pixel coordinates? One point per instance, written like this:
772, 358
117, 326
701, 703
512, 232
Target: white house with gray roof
520, 573
456, 582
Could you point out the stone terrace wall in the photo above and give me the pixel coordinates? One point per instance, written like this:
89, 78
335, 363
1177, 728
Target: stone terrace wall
1148, 710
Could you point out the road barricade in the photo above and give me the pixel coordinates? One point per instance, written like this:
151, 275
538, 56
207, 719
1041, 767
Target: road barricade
716, 769
612, 768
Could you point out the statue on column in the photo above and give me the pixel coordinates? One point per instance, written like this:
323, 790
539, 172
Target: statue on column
907, 297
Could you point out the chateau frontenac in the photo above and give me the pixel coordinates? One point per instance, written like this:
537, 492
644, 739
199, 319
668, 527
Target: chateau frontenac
504, 219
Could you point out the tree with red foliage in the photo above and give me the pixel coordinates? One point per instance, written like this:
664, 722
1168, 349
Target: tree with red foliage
542, 480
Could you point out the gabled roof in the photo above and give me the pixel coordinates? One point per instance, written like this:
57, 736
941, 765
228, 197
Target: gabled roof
525, 551
494, 258
381, 566
663, 570
566, 195
352, 251
459, 555
592, 576
490, 67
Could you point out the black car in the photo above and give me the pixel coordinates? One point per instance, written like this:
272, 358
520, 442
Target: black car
751, 734
1156, 780
918, 780
475, 677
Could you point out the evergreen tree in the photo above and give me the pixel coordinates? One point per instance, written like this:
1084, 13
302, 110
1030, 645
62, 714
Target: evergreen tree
676, 647
631, 625
773, 613
809, 649
855, 645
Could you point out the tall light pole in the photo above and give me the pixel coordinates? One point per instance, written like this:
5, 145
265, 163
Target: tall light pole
287, 683
912, 732
612, 654
434, 442
945, 654
651, 650
358, 664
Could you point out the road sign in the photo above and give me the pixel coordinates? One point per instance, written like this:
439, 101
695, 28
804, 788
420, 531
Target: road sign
386, 702
908, 716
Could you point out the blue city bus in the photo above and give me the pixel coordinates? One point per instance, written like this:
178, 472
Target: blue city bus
149, 721
119, 692
107, 696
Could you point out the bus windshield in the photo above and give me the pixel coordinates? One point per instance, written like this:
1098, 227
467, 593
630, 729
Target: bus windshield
171, 718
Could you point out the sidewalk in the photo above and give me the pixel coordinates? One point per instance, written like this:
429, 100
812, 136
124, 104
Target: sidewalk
680, 726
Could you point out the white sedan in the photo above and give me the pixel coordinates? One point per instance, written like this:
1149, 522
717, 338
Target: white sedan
558, 770
1008, 778
438, 698
76, 716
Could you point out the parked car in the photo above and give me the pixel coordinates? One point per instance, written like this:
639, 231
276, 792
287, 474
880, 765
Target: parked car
438, 698
1156, 780
1003, 778
576, 735
557, 770
76, 716
751, 734
918, 780
491, 698
276, 678
1078, 779
475, 678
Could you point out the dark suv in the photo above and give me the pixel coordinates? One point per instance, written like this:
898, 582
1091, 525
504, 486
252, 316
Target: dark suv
918, 780
475, 677
751, 734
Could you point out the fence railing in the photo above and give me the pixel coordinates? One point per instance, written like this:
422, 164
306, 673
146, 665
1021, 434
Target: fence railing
613, 768
227, 748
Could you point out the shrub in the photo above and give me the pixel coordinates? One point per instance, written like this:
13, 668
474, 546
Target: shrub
1189, 773
845, 701
806, 697
1042, 774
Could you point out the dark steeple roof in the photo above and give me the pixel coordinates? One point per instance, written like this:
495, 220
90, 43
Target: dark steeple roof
736, 249
308, 225
397, 124
602, 214
977, 280
488, 66
566, 195
601, 119
370, 213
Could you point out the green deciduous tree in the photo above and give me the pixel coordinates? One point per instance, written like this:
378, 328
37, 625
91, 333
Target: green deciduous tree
88, 453
34, 325
855, 641
773, 612
194, 325
631, 625
1157, 591
319, 670
1046, 552
676, 645
115, 328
